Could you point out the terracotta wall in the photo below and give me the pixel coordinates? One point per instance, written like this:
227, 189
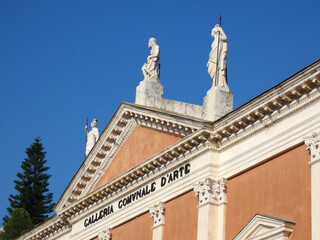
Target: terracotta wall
279, 188
142, 144
181, 218
139, 228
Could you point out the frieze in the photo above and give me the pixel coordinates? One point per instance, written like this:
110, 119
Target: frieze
138, 194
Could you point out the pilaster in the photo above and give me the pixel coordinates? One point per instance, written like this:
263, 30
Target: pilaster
105, 234
157, 213
212, 196
313, 145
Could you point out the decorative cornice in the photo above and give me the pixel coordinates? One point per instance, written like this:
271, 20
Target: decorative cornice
164, 158
157, 213
111, 141
313, 145
52, 227
269, 108
105, 234
211, 191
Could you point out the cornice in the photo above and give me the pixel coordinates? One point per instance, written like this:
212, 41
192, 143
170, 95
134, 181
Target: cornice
188, 148
114, 135
164, 158
276, 104
53, 227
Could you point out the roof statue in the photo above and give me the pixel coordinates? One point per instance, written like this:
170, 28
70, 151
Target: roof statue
219, 100
151, 69
150, 90
217, 63
92, 136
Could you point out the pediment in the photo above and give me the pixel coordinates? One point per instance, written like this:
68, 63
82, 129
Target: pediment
267, 228
144, 130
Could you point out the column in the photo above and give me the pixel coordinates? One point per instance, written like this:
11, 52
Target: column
313, 145
157, 213
105, 234
211, 209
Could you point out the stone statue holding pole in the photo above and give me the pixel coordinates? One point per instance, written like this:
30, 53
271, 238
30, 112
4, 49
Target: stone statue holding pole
217, 64
92, 136
219, 100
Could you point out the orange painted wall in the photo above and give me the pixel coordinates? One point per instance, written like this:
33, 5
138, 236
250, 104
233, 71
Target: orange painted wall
181, 218
139, 228
279, 188
142, 144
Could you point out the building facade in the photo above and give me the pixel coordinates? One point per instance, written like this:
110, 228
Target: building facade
166, 170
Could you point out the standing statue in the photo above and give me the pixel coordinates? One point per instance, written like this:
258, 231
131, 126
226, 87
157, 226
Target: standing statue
217, 64
92, 136
151, 69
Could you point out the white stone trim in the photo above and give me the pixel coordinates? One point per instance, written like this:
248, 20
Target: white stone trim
266, 228
211, 209
211, 191
53, 227
199, 168
245, 121
105, 234
313, 145
113, 136
157, 212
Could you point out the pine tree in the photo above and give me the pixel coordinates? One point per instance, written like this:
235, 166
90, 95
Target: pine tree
19, 222
32, 186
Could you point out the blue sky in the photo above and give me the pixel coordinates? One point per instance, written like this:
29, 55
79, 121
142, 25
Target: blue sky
63, 61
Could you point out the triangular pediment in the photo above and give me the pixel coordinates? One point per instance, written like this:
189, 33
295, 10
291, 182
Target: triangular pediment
133, 135
141, 144
267, 228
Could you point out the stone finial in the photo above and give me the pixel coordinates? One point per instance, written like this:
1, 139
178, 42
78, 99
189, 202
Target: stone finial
92, 136
105, 234
313, 145
211, 191
157, 213
217, 63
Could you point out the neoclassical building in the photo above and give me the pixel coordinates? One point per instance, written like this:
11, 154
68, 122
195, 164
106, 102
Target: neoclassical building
168, 170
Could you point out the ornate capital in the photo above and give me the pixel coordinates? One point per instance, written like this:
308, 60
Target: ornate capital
157, 213
211, 191
105, 234
313, 145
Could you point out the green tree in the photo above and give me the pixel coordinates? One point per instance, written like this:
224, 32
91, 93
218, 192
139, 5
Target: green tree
32, 186
19, 222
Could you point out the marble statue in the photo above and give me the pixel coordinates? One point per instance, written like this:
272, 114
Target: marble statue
151, 69
217, 64
92, 136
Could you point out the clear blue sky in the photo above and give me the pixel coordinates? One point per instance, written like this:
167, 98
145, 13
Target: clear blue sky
61, 61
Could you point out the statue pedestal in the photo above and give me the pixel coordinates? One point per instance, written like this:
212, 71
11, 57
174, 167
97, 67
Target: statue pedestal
149, 92
217, 103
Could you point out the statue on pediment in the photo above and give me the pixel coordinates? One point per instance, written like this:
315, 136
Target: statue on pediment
151, 69
92, 136
217, 64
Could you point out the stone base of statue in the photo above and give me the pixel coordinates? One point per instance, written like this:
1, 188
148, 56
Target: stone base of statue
217, 103
149, 92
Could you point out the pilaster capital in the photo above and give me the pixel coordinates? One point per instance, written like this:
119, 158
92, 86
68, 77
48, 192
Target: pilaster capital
313, 145
157, 213
105, 234
211, 191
